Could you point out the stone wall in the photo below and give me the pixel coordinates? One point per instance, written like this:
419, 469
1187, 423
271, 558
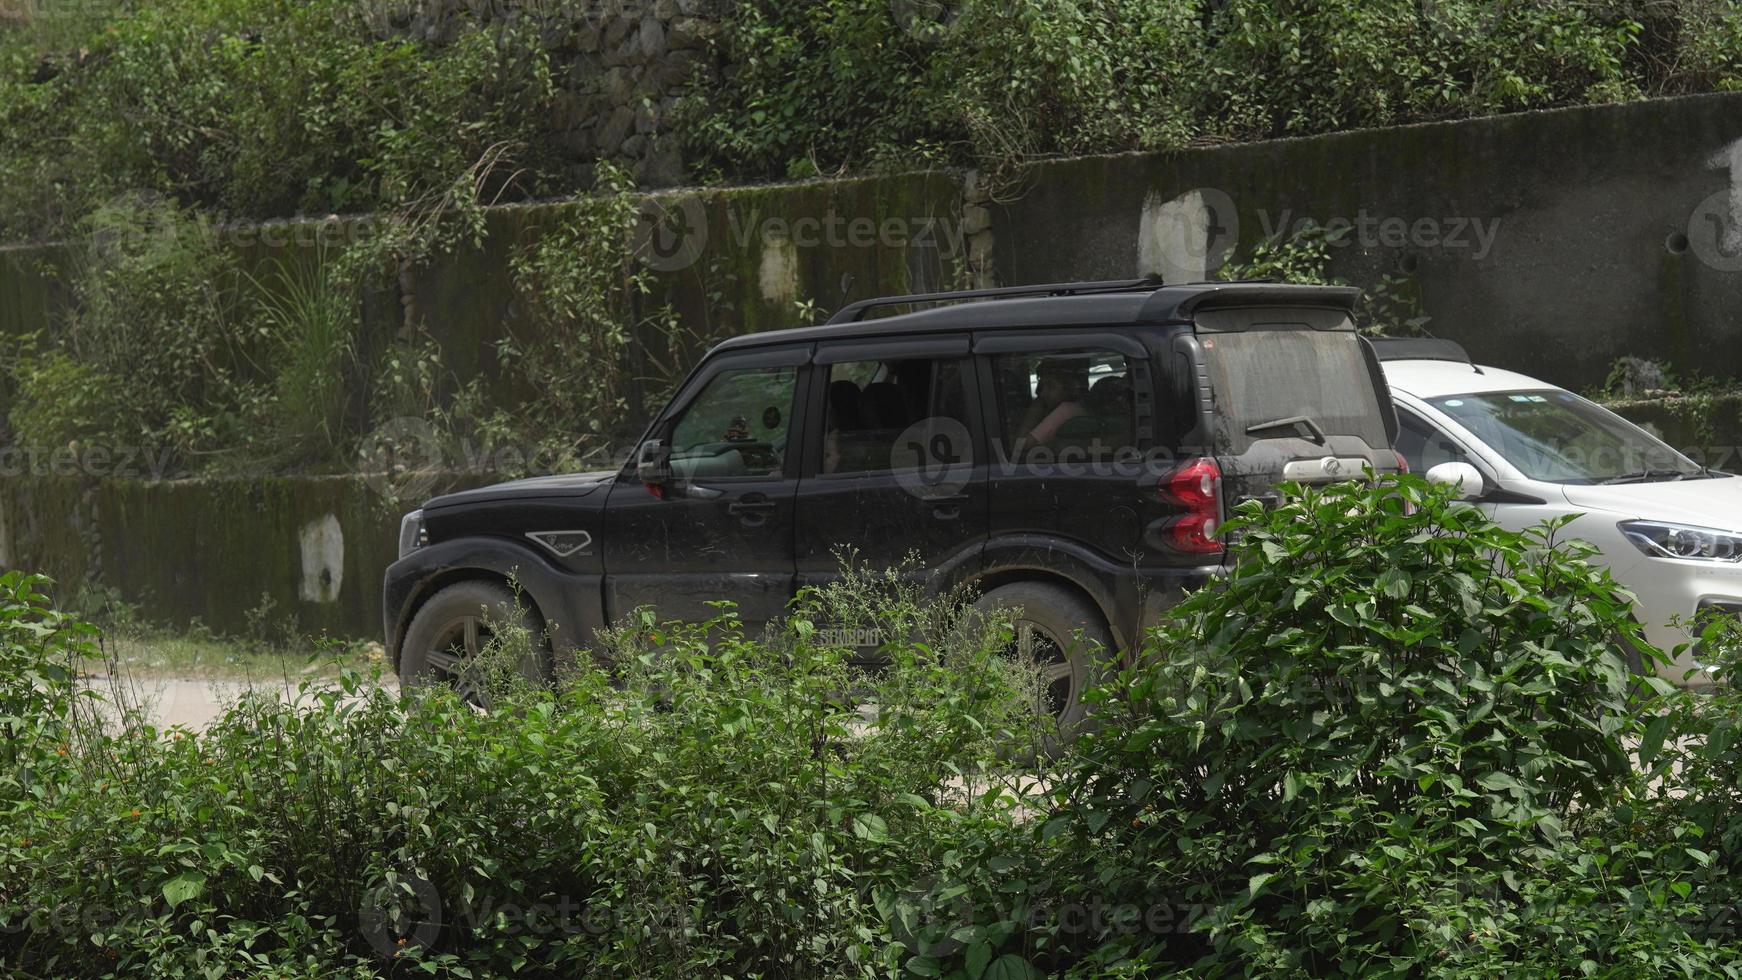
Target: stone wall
621, 66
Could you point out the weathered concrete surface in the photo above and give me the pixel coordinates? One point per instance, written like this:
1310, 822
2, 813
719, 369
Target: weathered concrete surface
1552, 242
302, 551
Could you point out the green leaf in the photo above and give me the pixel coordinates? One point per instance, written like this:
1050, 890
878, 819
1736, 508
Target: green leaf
870, 826
1395, 582
183, 887
1651, 743
924, 966
1011, 967
976, 958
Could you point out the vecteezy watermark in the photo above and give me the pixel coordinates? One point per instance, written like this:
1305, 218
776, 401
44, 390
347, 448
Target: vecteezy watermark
930, 21
151, 463
407, 911
1188, 237
402, 459
933, 459
1714, 232
398, 911
148, 223
1369, 230
675, 230
672, 232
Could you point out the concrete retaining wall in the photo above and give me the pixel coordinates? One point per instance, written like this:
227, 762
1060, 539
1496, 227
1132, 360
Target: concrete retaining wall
1551, 242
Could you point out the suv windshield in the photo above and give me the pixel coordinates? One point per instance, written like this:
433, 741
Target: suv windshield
1557, 437
1266, 376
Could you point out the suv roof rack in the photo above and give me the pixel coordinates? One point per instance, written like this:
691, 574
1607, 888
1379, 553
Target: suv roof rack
855, 312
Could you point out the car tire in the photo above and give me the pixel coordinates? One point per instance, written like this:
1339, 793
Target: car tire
455, 624
1056, 617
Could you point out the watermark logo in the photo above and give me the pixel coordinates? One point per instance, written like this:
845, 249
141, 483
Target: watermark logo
672, 232
400, 912
930, 21
402, 459
1715, 232
1185, 239
1369, 230
933, 458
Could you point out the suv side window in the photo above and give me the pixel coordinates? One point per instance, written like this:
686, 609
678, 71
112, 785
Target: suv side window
737, 426
1076, 402
1424, 446
870, 404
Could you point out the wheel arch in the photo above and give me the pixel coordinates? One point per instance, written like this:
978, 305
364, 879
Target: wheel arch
427, 590
1011, 575
565, 604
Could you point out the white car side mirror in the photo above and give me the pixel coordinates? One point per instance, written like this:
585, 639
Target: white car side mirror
1468, 479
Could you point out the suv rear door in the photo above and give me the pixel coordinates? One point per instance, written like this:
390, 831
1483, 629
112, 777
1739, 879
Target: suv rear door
1292, 394
1071, 417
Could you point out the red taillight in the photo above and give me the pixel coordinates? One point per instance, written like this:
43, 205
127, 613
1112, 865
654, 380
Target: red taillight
1197, 487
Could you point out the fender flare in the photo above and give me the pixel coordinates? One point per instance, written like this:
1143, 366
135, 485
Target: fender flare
570, 605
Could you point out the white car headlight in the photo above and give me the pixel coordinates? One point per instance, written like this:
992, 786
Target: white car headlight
411, 534
1661, 540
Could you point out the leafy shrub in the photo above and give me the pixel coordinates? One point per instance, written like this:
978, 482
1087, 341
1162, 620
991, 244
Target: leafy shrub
40, 650
711, 804
1398, 741
1393, 743
155, 341
312, 322
816, 86
583, 281
58, 401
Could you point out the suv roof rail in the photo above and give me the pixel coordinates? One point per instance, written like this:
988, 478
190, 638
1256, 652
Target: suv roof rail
1419, 349
855, 312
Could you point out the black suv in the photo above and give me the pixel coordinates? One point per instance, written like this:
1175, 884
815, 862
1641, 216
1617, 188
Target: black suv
1066, 449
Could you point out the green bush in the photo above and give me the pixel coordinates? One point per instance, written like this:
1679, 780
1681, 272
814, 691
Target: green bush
266, 108
816, 86
1398, 740
710, 805
261, 108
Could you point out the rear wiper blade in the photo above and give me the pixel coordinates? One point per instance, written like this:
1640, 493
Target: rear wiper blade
1645, 476
1301, 422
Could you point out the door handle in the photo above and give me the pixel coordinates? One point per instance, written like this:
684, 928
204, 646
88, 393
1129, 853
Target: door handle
751, 503
948, 507
751, 509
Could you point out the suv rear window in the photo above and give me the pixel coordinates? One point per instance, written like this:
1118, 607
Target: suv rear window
1064, 404
1267, 374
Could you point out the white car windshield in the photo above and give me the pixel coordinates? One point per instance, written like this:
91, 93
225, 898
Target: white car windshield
1557, 437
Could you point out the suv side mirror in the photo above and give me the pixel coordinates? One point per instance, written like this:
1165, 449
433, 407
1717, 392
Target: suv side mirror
653, 463
1468, 479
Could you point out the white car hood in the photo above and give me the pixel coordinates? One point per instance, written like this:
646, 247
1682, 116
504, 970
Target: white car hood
1714, 503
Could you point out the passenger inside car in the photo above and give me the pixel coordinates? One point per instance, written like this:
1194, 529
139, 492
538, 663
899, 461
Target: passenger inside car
1064, 385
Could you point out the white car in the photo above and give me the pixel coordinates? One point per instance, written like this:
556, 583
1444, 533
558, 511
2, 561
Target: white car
1669, 529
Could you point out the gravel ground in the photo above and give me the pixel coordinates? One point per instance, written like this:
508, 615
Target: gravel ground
188, 702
